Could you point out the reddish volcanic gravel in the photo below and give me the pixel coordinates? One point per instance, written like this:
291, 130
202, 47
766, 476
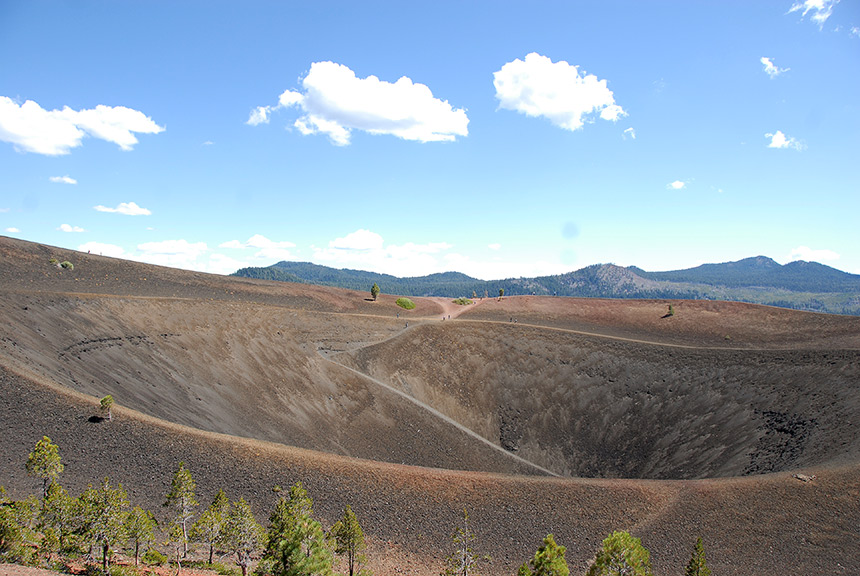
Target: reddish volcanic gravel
538, 415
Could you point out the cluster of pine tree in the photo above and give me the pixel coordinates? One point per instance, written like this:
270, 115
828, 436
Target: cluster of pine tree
99, 522
620, 555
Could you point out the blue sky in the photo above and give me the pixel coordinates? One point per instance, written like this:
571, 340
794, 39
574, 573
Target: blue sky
498, 139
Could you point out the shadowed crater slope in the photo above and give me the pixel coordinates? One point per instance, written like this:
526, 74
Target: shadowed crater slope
602, 407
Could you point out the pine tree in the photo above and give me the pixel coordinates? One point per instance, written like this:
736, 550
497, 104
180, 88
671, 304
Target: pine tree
18, 535
621, 555
209, 528
44, 462
104, 510
242, 534
463, 560
697, 565
548, 561
296, 543
374, 290
349, 539
139, 530
181, 501
106, 405
61, 516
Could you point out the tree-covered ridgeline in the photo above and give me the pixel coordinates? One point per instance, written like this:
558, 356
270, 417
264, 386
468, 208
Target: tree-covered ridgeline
797, 285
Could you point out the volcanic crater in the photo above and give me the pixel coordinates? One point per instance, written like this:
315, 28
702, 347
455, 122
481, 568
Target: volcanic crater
642, 421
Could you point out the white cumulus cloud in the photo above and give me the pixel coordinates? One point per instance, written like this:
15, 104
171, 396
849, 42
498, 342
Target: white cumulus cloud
537, 86
334, 102
772, 69
360, 240
70, 228
807, 253
30, 128
12, 230
820, 9
63, 180
780, 140
259, 115
127, 208
676, 185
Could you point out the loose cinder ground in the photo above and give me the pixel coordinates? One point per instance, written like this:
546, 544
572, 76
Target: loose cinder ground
667, 427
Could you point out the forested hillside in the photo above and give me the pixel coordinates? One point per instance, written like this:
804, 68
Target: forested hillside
761, 280
797, 276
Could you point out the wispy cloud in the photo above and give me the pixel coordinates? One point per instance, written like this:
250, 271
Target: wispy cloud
63, 180
222, 264
335, 102
537, 86
103, 249
70, 228
498, 267
494, 246
820, 9
807, 253
174, 253
266, 249
780, 140
364, 249
630, 133
30, 128
676, 185
772, 69
127, 208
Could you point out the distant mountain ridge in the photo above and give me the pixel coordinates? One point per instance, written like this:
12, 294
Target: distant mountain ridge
798, 276
799, 285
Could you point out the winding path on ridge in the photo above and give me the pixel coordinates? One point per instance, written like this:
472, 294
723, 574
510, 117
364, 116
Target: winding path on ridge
450, 308
450, 311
